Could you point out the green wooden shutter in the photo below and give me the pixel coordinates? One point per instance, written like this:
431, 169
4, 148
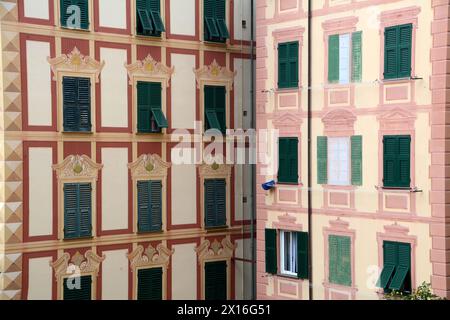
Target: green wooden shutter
144, 108
143, 204
293, 65
302, 255
390, 148
283, 68
220, 104
157, 118
356, 142
150, 284
391, 53
356, 56
220, 202
403, 266
210, 206
85, 207
76, 104
389, 263
333, 59
211, 29
84, 6
156, 205
404, 50
84, 292
404, 161
396, 161
333, 256
293, 160
322, 160
215, 106
145, 25
154, 5
288, 160
216, 280
339, 260
84, 104
271, 251
71, 226
84, 12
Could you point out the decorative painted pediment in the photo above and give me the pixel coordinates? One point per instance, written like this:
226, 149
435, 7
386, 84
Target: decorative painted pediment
214, 73
148, 166
396, 229
215, 250
397, 118
151, 69
75, 62
287, 222
77, 167
87, 264
150, 256
214, 170
339, 119
398, 16
335, 25
339, 224
287, 119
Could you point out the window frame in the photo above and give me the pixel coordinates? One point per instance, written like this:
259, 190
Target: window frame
93, 285
154, 32
398, 75
213, 111
289, 86
351, 80
397, 185
154, 127
331, 182
91, 124
78, 236
90, 17
150, 217
291, 180
136, 279
292, 252
219, 39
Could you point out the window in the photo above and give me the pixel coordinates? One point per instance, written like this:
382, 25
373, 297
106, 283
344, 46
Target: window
77, 104
288, 160
339, 160
77, 288
293, 253
288, 65
77, 210
149, 206
71, 10
215, 203
397, 51
396, 161
216, 280
150, 118
396, 274
215, 21
148, 17
215, 97
345, 58
150, 284
339, 265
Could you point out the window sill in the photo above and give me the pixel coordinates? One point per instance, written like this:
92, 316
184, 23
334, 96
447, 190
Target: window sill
216, 43
399, 189
216, 229
289, 183
75, 29
146, 36
143, 233
147, 133
396, 80
78, 132
286, 89
288, 276
78, 239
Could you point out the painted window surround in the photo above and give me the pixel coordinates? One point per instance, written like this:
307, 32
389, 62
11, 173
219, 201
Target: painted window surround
339, 228
84, 265
286, 286
148, 70
337, 27
288, 10
75, 64
215, 171
215, 75
339, 123
148, 258
149, 167
396, 121
129, 18
397, 233
215, 251
77, 169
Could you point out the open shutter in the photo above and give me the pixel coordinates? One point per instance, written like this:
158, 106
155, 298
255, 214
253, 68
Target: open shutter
70, 104
150, 284
302, 255
215, 102
144, 109
356, 56
145, 22
85, 206
271, 251
356, 147
216, 280
220, 17
210, 206
143, 203
283, 68
220, 202
333, 59
322, 161
404, 159
404, 50
391, 53
157, 21
84, 104
71, 226
211, 30
156, 205
155, 100
84, 292
403, 266
389, 263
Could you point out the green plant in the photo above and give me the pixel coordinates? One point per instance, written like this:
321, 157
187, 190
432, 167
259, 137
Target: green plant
423, 292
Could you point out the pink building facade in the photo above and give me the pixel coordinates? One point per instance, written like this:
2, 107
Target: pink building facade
361, 209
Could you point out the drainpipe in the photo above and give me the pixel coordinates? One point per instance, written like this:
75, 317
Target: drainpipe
310, 262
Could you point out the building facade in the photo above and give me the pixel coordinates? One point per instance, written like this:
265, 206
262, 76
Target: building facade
99, 102
361, 209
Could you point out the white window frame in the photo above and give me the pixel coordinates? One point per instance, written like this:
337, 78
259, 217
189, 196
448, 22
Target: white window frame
336, 179
292, 252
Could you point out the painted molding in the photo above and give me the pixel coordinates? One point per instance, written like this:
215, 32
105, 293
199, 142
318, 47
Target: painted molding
76, 167
215, 74
215, 170
149, 166
150, 257
87, 264
215, 251
151, 70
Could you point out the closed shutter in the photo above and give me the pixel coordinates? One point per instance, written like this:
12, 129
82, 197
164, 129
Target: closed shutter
144, 109
322, 154
72, 292
220, 103
220, 201
156, 205
404, 50
302, 255
77, 104
356, 146
85, 204
339, 260
215, 203
333, 59
84, 12
283, 67
333, 254
288, 160
357, 56
216, 280
71, 226
210, 206
150, 284
390, 52
149, 206
293, 65
271, 251
396, 161
397, 51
